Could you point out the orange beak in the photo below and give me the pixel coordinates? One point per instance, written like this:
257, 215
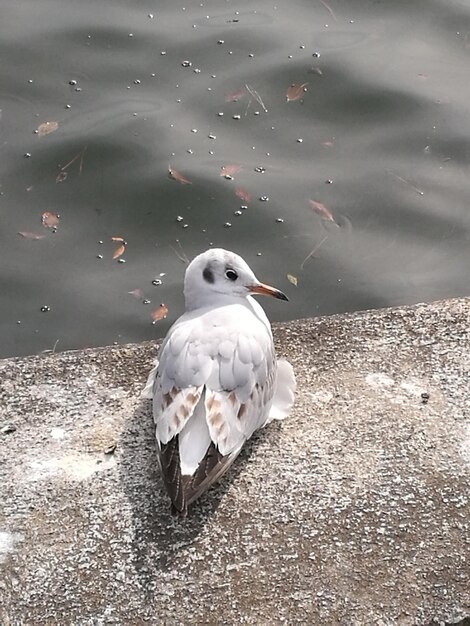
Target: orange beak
266, 290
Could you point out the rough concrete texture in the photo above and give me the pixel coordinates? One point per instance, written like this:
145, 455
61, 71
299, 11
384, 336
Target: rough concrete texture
355, 510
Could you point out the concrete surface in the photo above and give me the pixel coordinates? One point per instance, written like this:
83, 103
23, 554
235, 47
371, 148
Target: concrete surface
353, 511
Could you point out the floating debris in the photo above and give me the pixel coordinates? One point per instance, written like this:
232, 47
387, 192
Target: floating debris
46, 128
120, 249
321, 210
159, 313
50, 220
29, 235
234, 96
228, 171
296, 91
178, 176
256, 96
137, 293
243, 194
61, 177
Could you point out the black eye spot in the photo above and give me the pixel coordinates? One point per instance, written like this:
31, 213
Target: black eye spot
208, 275
231, 274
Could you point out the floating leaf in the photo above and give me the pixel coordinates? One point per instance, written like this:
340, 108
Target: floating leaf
296, 91
61, 176
229, 170
28, 235
49, 219
234, 96
321, 210
119, 251
46, 127
178, 176
160, 313
243, 194
292, 279
137, 293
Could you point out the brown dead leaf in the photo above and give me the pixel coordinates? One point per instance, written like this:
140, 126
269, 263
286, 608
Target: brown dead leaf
29, 235
159, 313
46, 128
137, 293
119, 251
296, 91
229, 170
178, 176
61, 176
234, 96
243, 194
321, 210
50, 220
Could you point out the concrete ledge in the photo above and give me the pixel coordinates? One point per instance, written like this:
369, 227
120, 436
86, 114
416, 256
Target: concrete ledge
353, 511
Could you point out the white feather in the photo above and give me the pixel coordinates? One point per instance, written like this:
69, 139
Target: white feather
194, 440
284, 393
147, 391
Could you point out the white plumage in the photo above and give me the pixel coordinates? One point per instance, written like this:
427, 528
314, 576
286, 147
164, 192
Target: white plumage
216, 380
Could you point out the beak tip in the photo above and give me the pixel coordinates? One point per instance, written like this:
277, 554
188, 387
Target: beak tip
266, 290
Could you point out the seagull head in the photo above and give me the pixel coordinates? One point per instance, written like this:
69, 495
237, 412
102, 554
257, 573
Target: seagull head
217, 273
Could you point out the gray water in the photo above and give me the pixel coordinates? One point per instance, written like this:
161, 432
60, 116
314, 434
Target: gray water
380, 138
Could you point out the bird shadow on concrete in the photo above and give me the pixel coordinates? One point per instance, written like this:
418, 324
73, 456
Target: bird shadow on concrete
158, 536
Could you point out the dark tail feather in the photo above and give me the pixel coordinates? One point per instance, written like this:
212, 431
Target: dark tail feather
183, 490
177, 513
171, 471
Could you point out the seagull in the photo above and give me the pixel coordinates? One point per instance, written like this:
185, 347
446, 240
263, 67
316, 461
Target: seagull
216, 380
